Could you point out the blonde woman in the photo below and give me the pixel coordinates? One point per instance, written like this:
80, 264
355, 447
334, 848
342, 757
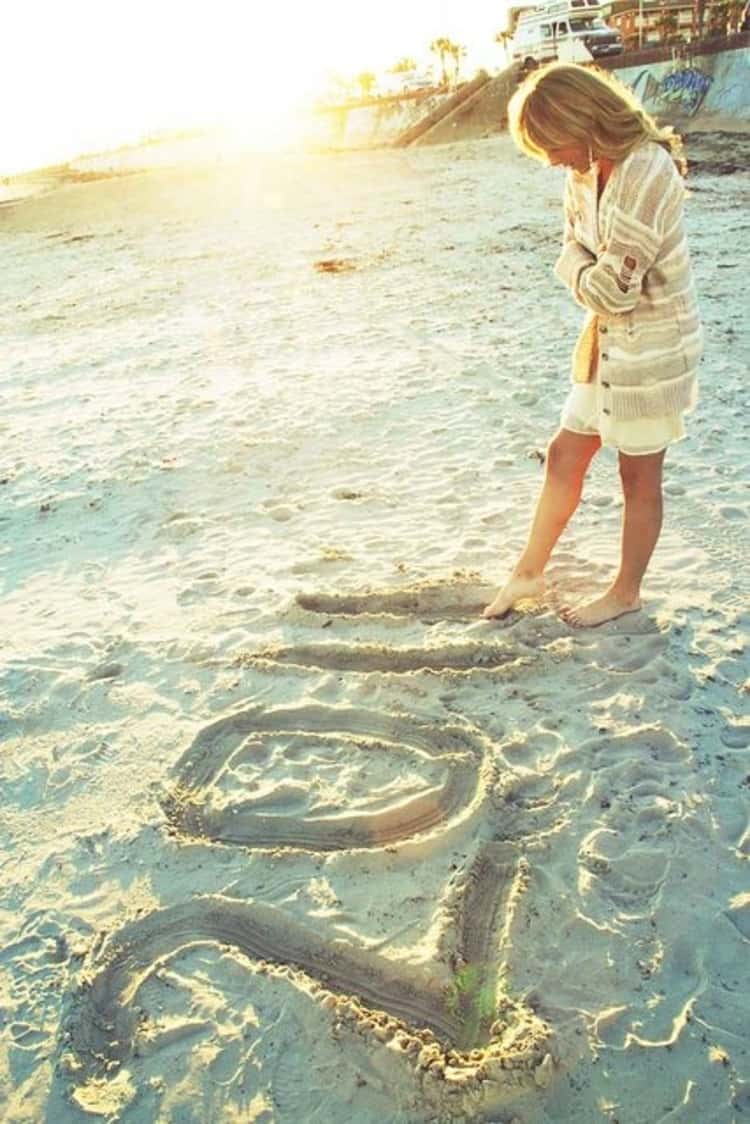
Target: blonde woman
625, 261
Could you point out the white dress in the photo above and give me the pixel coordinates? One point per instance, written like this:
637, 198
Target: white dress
582, 413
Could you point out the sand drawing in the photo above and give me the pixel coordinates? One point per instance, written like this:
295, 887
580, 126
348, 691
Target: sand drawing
428, 601
451, 1022
382, 657
454, 1024
462, 752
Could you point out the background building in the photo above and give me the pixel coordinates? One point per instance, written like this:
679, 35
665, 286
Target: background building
662, 21
671, 21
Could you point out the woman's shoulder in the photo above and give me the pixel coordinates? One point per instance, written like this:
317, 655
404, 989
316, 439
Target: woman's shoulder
647, 160
648, 178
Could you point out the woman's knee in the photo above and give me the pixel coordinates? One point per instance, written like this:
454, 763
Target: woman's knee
641, 475
569, 455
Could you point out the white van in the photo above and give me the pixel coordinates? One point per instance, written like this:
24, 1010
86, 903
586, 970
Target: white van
545, 32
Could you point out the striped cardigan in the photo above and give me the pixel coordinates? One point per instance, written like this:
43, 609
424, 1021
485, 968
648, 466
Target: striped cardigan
625, 259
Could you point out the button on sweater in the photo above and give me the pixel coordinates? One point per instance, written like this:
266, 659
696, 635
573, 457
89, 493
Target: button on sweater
625, 260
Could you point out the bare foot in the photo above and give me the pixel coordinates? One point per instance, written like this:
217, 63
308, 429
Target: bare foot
515, 590
606, 608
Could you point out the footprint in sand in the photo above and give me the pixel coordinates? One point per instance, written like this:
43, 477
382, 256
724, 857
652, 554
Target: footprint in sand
639, 787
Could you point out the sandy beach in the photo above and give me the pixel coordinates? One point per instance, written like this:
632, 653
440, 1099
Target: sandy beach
289, 834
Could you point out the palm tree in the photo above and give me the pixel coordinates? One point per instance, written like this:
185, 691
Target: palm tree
441, 47
505, 38
456, 52
403, 66
366, 80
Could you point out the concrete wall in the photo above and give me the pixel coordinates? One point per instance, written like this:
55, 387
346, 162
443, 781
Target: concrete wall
376, 123
481, 115
711, 88
464, 96
698, 89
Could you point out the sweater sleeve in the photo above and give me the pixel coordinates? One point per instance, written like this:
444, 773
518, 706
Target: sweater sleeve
574, 257
611, 283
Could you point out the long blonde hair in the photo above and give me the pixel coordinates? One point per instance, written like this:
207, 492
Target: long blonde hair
564, 102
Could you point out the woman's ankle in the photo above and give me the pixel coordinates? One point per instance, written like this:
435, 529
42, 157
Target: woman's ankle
625, 591
527, 572
527, 576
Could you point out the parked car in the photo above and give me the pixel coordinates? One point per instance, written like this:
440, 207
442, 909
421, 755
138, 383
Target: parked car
542, 32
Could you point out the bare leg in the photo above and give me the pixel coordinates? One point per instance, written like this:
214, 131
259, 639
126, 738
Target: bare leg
641, 486
568, 457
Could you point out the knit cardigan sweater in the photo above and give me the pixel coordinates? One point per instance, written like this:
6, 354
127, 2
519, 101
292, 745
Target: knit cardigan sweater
625, 260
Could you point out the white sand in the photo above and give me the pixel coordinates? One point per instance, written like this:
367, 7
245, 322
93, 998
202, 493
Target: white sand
258, 753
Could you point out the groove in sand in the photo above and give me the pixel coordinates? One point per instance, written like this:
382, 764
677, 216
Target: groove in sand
430, 601
453, 1019
379, 657
466, 1031
463, 752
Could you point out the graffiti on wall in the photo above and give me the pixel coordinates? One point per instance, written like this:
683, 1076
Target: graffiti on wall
683, 89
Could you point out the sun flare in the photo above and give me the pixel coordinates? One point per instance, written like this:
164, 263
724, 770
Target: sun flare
99, 80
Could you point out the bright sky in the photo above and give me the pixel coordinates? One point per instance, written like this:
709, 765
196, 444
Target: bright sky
83, 75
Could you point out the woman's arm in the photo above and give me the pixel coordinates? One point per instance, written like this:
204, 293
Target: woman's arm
611, 283
574, 257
